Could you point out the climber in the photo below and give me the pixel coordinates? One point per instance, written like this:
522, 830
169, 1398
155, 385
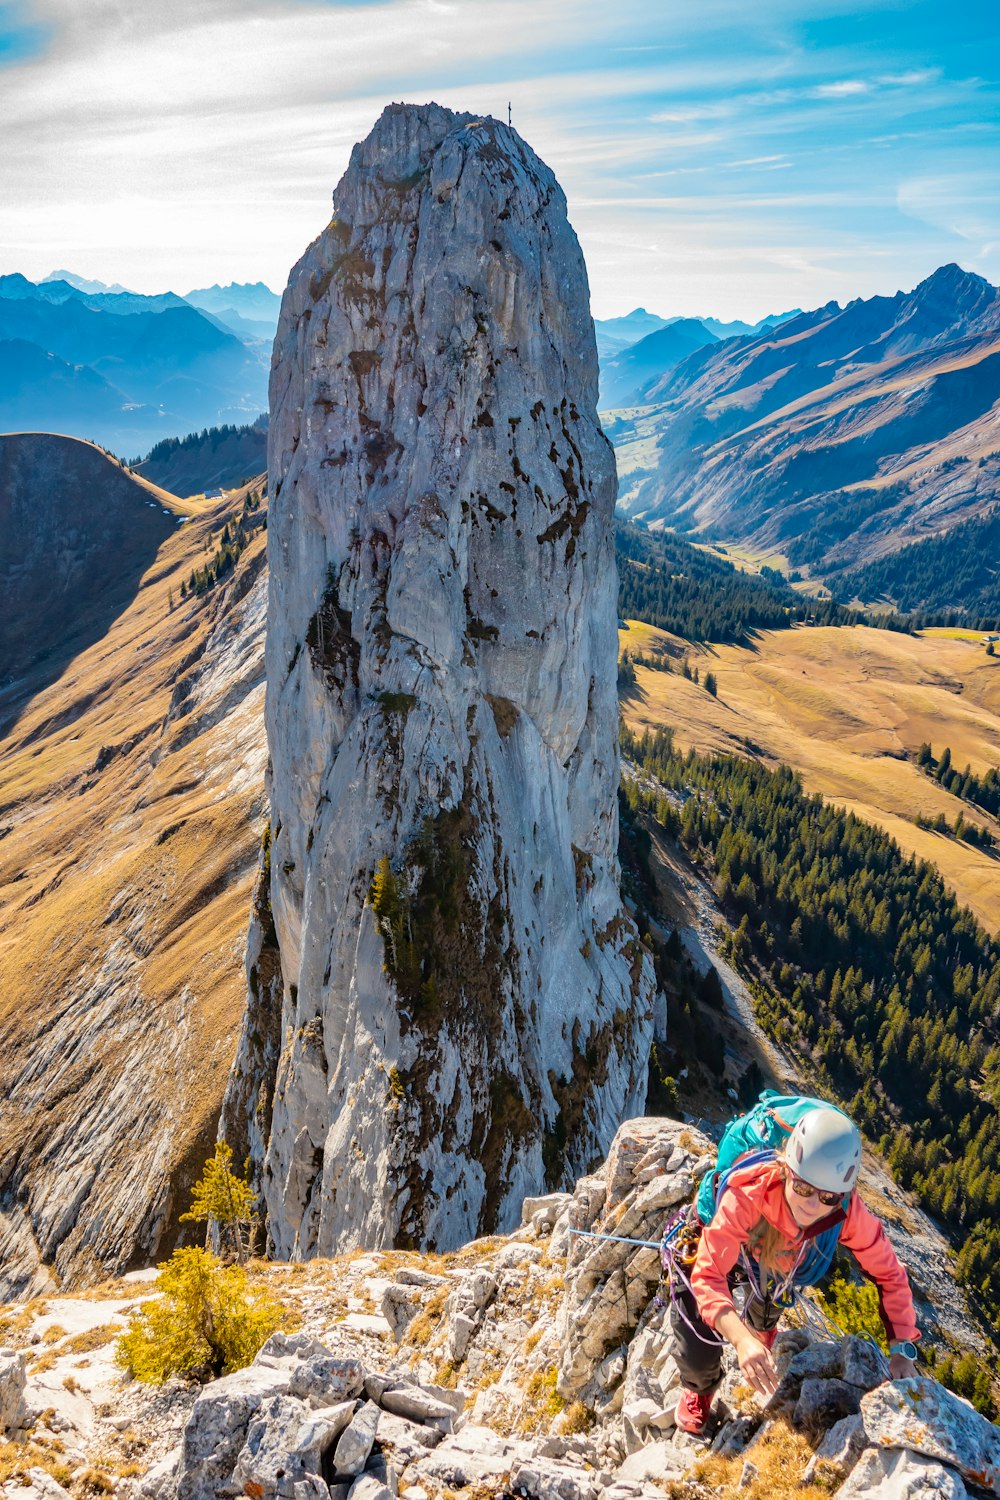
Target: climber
773, 1222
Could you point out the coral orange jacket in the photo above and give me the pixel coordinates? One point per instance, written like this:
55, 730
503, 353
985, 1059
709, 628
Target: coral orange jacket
759, 1193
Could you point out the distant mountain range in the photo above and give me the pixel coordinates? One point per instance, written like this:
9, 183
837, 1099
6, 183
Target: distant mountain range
126, 369
837, 437
625, 376
616, 334
636, 349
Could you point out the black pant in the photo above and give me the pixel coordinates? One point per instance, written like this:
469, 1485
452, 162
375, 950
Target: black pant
697, 1350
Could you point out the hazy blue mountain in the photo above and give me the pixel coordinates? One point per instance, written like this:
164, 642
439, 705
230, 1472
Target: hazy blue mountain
182, 365
616, 334
249, 329
625, 377
736, 329
251, 300
83, 285
39, 392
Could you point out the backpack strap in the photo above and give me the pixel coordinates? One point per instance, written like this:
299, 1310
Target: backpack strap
719, 1181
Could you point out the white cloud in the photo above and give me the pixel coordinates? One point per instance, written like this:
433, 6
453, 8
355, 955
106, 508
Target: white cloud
846, 88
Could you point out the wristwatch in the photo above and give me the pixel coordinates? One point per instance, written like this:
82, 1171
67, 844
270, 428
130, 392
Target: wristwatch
904, 1347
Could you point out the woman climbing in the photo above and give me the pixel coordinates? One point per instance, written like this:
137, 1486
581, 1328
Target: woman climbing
773, 1220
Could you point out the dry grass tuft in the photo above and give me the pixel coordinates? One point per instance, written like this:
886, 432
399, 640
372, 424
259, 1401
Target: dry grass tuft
576, 1418
93, 1481
38, 1452
780, 1457
428, 1320
542, 1402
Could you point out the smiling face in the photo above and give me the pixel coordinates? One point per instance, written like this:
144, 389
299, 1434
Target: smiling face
805, 1210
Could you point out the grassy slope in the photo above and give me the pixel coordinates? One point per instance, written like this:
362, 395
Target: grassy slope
845, 707
142, 869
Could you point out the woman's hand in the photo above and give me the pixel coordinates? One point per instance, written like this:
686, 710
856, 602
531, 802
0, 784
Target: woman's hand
900, 1368
758, 1367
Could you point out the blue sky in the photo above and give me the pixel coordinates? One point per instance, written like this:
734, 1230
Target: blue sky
719, 158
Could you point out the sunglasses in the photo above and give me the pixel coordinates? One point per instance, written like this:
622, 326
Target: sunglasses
804, 1190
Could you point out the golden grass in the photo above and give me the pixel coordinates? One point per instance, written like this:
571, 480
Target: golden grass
38, 1451
541, 1404
780, 1457
848, 709
746, 559
428, 1320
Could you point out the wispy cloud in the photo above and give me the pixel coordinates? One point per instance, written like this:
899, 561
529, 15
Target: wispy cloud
846, 88
200, 140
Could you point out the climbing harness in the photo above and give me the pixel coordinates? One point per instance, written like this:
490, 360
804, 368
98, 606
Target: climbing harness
678, 1247
678, 1252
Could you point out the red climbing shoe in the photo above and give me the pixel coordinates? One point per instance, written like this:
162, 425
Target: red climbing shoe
693, 1411
767, 1336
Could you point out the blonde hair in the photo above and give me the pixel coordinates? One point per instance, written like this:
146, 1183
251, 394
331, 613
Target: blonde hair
765, 1242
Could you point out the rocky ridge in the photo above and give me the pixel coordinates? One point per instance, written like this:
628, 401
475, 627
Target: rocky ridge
419, 1054
534, 1364
131, 807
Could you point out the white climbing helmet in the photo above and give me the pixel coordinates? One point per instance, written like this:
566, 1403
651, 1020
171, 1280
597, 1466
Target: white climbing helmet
824, 1149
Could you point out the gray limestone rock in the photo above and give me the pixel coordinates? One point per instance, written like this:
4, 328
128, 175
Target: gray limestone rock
862, 1364
920, 1415
552, 1479
217, 1426
312, 1487
325, 1379
542, 1213
369, 1487
733, 1436
41, 1485
823, 1402
160, 1480
441, 665
659, 1460
410, 1401
407, 1440
318, 1432
267, 1455
465, 1308
356, 1441
882, 1474
843, 1445
476, 1455
612, 1277
645, 1420
400, 1305
13, 1374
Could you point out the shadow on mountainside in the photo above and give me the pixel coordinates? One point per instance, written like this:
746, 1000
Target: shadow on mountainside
77, 534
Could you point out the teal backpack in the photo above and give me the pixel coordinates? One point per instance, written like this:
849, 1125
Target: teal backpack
753, 1138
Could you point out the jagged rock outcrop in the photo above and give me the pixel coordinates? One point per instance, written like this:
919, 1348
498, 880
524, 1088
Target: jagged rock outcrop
441, 694
354, 1406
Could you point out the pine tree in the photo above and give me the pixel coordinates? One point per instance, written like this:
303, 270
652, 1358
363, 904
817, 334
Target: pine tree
223, 1199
